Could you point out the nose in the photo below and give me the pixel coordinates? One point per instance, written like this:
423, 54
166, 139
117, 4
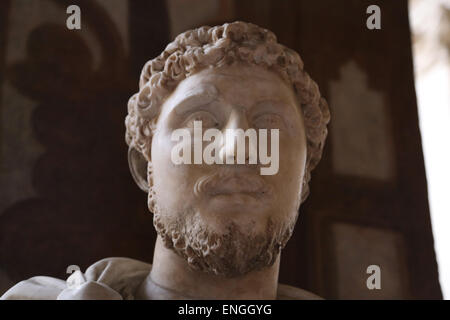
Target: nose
235, 149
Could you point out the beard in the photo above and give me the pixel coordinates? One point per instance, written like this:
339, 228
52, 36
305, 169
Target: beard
233, 252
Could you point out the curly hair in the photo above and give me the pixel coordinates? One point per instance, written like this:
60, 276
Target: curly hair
204, 47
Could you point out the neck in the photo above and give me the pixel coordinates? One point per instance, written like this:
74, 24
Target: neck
172, 278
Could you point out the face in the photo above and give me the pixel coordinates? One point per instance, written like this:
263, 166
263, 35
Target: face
228, 219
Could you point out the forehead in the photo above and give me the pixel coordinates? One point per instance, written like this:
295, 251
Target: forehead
241, 85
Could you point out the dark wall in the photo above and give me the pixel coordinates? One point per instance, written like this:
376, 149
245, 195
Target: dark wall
80, 203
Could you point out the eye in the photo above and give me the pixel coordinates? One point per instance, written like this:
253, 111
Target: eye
268, 121
207, 120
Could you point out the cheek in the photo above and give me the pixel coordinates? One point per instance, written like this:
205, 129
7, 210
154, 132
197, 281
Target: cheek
291, 172
168, 179
173, 184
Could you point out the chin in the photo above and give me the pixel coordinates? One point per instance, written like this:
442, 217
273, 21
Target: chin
249, 219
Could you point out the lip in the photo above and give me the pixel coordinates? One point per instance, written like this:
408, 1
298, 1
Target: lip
242, 193
240, 186
239, 198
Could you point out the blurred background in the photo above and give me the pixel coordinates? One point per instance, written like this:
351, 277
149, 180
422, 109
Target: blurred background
430, 27
66, 194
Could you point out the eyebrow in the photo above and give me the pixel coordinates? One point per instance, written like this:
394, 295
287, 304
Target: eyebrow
274, 104
198, 96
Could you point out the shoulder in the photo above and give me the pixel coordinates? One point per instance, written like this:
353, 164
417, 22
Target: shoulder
123, 275
35, 288
286, 292
110, 278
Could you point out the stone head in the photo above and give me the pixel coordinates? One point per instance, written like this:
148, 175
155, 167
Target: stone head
225, 217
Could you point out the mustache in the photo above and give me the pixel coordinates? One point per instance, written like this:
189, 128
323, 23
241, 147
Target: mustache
227, 181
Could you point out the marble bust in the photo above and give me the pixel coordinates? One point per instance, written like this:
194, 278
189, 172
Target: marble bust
221, 224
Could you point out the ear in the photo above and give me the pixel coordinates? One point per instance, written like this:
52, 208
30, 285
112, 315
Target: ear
138, 168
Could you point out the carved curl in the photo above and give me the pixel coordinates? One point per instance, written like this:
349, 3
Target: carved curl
204, 47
